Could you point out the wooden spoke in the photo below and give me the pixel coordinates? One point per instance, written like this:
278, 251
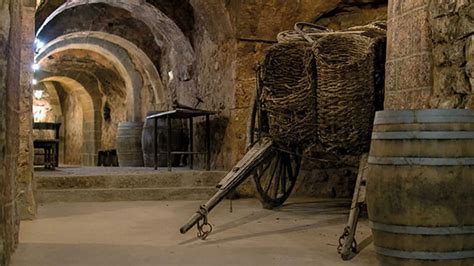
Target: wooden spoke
275, 179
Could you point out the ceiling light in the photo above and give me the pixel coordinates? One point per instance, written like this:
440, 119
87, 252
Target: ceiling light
38, 94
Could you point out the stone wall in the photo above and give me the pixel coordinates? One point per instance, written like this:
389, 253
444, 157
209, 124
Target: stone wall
430, 54
408, 67
228, 48
452, 30
10, 86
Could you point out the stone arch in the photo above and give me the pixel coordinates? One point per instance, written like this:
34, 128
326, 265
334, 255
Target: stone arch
167, 34
91, 125
136, 62
125, 68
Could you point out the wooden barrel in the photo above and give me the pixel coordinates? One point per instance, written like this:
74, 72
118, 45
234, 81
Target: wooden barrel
179, 141
129, 145
420, 187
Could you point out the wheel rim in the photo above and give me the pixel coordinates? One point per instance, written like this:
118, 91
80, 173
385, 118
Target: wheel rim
275, 178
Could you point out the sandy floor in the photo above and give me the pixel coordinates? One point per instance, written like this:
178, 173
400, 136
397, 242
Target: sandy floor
304, 232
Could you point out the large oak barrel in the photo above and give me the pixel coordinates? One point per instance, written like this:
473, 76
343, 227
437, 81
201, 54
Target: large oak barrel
129, 145
179, 141
420, 187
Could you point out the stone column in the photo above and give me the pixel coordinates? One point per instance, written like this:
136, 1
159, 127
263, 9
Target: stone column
409, 57
10, 65
26, 184
4, 37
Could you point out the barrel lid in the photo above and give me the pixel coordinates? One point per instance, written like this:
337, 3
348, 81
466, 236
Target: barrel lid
424, 116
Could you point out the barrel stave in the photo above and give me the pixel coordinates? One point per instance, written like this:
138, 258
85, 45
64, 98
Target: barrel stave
129, 147
420, 187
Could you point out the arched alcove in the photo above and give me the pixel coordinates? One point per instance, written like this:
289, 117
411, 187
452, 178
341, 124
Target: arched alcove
74, 96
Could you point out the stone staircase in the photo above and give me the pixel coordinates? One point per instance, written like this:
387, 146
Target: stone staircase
87, 186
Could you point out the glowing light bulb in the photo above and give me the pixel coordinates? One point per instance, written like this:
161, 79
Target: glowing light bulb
39, 44
35, 67
34, 82
38, 94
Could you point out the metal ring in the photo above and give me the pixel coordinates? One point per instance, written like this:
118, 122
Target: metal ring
422, 230
426, 255
424, 116
427, 161
402, 135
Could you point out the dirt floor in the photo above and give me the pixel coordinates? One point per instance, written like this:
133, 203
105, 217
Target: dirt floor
303, 232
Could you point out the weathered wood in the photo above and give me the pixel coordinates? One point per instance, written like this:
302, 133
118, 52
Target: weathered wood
348, 249
254, 157
420, 187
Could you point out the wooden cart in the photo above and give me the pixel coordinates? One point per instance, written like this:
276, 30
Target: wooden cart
273, 170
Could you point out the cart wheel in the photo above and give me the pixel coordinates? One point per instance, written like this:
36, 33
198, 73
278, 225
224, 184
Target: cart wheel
275, 178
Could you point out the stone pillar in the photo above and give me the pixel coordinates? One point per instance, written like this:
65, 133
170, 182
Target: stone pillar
408, 82
452, 28
10, 64
25, 179
4, 37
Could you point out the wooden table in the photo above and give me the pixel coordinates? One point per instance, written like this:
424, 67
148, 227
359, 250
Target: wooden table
50, 146
182, 113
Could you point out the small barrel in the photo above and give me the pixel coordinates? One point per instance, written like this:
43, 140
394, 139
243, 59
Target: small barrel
420, 187
179, 141
129, 145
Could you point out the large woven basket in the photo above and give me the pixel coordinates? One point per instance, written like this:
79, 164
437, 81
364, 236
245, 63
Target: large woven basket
345, 94
288, 93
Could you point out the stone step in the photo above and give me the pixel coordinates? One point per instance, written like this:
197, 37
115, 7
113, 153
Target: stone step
125, 194
130, 180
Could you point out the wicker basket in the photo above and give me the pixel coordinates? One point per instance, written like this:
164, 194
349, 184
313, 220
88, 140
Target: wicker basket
288, 93
345, 95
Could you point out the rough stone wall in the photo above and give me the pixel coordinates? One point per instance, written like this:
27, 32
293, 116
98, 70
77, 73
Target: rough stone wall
349, 16
4, 37
228, 48
452, 31
10, 65
226, 58
408, 67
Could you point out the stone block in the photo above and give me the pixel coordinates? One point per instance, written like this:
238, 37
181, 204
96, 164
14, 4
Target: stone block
394, 8
413, 99
447, 80
390, 76
446, 102
410, 34
469, 99
451, 54
391, 31
409, 5
440, 8
470, 60
414, 72
452, 27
